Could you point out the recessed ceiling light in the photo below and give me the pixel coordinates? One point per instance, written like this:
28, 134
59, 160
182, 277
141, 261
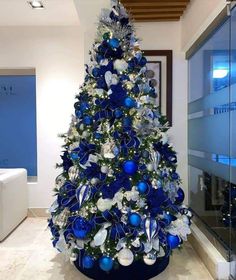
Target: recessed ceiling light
36, 4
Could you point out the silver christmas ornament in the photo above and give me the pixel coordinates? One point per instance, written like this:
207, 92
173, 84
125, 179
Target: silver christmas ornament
149, 259
150, 167
125, 257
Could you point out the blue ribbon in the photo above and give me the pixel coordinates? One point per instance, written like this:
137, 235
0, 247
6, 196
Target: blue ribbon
84, 150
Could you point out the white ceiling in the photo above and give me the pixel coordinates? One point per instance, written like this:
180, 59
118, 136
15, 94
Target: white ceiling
56, 12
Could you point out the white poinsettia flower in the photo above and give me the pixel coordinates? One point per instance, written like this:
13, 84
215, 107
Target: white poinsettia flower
111, 79
132, 195
104, 204
107, 149
120, 65
164, 138
180, 227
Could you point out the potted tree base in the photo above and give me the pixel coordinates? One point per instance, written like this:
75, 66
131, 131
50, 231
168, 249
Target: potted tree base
137, 271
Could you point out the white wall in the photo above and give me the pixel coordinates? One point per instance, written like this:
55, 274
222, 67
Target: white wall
57, 53
163, 36
197, 17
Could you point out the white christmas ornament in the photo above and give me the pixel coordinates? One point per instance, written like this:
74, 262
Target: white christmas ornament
104, 204
150, 167
94, 181
125, 257
149, 259
105, 169
120, 65
85, 134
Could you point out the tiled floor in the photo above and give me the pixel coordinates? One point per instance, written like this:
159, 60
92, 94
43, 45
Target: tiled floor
27, 254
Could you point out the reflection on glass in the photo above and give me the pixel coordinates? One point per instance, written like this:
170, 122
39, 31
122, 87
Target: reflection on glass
211, 109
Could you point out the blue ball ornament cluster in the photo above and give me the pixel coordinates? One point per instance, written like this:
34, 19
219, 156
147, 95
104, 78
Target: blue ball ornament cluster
106, 263
130, 167
135, 219
142, 187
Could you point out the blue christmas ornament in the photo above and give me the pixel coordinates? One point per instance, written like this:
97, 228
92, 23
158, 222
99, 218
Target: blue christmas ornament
143, 61
97, 135
114, 43
96, 72
88, 261
145, 154
130, 167
118, 113
78, 114
180, 198
142, 187
87, 120
135, 219
74, 156
129, 102
106, 263
173, 241
168, 218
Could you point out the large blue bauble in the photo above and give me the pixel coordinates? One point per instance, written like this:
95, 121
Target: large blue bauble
173, 241
135, 219
130, 167
114, 43
106, 263
129, 102
180, 198
142, 187
87, 120
118, 113
88, 261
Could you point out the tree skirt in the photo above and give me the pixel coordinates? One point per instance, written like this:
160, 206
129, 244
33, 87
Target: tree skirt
138, 271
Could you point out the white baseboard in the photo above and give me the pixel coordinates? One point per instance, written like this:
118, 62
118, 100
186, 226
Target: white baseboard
38, 212
211, 257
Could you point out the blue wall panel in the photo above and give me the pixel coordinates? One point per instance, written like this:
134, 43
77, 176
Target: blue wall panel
18, 141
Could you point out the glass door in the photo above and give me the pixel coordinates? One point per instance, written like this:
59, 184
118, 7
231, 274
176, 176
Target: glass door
232, 198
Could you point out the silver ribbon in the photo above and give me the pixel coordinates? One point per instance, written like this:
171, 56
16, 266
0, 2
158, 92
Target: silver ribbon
83, 194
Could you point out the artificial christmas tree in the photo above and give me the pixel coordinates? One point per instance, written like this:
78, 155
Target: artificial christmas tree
118, 209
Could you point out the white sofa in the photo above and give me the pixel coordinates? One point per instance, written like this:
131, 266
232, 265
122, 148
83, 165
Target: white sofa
13, 199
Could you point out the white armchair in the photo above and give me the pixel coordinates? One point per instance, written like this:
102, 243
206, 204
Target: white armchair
13, 199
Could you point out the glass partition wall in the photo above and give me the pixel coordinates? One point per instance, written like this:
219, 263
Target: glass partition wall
212, 136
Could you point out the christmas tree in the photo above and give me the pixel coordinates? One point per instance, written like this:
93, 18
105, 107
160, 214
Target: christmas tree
118, 198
